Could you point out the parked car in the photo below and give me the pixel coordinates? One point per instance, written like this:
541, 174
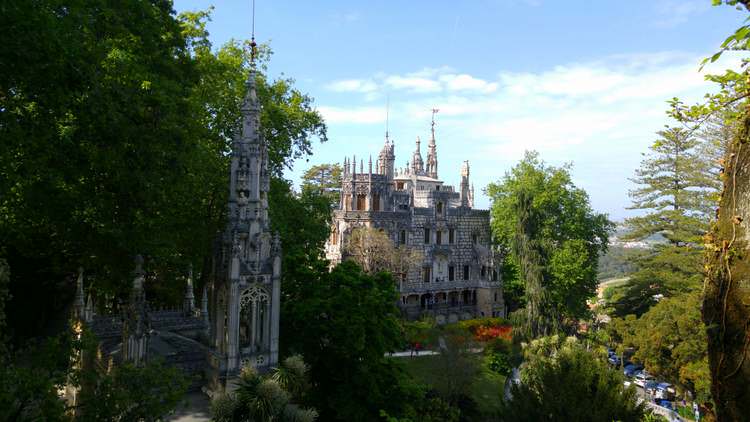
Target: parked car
665, 404
631, 370
614, 359
664, 391
642, 378
650, 387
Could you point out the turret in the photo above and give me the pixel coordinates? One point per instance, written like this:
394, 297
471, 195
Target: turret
465, 202
387, 160
417, 165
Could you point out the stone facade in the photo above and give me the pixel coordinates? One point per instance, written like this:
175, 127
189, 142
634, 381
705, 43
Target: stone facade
246, 285
459, 277
238, 322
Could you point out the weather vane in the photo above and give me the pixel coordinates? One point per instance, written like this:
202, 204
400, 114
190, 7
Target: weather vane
253, 45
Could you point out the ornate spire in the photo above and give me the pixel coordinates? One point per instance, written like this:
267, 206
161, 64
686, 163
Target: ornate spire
432, 162
417, 165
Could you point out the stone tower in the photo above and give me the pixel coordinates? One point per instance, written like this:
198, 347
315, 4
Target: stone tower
246, 284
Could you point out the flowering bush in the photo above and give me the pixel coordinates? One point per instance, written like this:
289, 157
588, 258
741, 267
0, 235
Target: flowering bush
486, 333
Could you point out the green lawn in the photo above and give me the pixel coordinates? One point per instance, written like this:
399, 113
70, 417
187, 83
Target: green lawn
487, 389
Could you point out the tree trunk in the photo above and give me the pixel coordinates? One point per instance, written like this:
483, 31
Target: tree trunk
726, 306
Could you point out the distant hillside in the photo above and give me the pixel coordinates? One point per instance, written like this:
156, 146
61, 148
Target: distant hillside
618, 261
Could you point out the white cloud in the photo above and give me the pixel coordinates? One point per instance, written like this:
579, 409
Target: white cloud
464, 82
601, 114
353, 85
675, 12
413, 83
360, 115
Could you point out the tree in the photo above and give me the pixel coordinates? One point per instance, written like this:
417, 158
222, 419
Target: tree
347, 321
114, 140
726, 292
559, 375
325, 179
267, 398
670, 340
553, 235
374, 251
129, 393
676, 186
664, 270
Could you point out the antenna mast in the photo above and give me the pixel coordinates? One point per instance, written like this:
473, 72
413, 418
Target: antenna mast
387, 110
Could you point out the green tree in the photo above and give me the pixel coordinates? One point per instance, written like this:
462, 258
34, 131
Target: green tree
676, 187
325, 179
559, 375
554, 236
670, 340
130, 393
343, 324
725, 310
114, 140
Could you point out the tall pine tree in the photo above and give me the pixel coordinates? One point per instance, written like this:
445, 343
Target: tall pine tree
676, 187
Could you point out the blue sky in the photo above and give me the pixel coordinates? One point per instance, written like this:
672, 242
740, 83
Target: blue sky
579, 81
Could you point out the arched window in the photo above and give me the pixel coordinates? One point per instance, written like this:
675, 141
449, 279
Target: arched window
335, 236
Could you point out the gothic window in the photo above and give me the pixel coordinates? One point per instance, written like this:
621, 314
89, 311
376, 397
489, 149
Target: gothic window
494, 275
402, 237
437, 187
375, 202
334, 237
400, 185
474, 238
439, 237
484, 271
254, 317
451, 273
361, 201
451, 236
426, 236
439, 208
426, 274
466, 272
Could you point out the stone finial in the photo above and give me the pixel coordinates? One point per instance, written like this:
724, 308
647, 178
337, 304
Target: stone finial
88, 314
139, 265
189, 303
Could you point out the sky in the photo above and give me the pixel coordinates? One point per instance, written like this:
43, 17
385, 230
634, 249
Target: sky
581, 82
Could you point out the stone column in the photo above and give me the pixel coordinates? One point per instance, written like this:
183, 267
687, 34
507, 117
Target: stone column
275, 304
233, 310
266, 324
253, 325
